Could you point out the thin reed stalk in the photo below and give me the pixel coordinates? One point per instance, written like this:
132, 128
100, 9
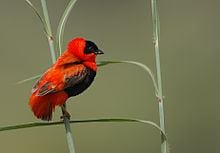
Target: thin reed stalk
53, 56
50, 35
156, 37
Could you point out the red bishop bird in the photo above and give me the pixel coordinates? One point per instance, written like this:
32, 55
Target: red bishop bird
73, 72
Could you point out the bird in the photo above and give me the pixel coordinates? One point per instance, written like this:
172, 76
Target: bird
72, 73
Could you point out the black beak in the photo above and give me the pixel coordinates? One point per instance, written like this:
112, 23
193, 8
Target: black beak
98, 52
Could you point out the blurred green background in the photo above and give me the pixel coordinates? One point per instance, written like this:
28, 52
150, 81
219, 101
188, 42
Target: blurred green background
123, 29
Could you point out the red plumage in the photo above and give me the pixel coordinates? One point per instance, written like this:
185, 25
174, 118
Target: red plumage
72, 73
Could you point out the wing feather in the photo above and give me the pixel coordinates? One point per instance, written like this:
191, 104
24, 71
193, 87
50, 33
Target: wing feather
60, 78
72, 80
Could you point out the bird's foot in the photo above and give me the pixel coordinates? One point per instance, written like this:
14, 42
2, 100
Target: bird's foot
65, 113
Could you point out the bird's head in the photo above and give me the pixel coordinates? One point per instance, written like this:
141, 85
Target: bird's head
83, 49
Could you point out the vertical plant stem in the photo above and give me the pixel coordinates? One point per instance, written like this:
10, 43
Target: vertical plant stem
50, 35
156, 37
53, 56
69, 136
61, 26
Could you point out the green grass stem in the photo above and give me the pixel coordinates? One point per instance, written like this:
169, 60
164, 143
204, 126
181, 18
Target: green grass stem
45, 28
61, 26
156, 37
50, 35
68, 130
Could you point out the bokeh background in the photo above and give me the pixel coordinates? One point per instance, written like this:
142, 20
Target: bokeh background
123, 29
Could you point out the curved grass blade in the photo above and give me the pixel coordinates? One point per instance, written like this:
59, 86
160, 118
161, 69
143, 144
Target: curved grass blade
38, 124
143, 66
29, 79
39, 16
61, 26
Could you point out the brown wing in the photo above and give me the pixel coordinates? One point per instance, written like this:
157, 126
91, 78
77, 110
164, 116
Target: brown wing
47, 88
58, 79
72, 80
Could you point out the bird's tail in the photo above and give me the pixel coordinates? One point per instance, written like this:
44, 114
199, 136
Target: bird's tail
41, 107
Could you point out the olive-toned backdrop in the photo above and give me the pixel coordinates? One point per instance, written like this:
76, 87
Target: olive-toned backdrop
123, 30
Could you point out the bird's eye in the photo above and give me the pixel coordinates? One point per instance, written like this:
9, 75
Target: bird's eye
90, 48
